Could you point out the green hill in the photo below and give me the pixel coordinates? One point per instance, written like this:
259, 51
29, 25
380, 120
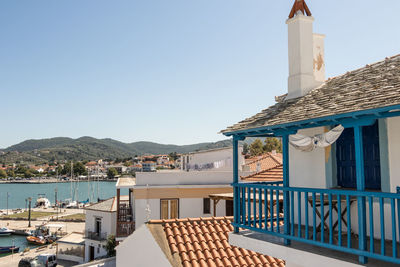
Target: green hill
89, 148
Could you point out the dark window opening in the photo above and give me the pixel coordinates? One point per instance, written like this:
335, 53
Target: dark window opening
206, 206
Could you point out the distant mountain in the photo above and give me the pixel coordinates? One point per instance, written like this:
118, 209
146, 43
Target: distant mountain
89, 148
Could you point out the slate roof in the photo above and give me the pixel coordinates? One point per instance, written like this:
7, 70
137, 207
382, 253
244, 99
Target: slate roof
108, 205
204, 242
373, 86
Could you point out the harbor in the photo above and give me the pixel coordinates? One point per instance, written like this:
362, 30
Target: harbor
28, 211
17, 194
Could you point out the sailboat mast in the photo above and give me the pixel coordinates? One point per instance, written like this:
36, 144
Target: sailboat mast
98, 183
88, 184
71, 179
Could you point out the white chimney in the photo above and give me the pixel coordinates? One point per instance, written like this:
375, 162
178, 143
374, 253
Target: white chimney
306, 52
319, 58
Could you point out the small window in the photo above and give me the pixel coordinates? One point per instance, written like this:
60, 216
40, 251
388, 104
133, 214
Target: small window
206, 206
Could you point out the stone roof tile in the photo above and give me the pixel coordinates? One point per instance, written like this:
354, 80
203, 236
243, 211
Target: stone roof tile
373, 86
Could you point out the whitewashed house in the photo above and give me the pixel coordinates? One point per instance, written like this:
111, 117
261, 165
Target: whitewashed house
100, 223
177, 193
338, 204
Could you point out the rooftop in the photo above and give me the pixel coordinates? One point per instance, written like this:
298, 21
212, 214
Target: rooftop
108, 205
268, 175
204, 242
371, 87
73, 238
126, 182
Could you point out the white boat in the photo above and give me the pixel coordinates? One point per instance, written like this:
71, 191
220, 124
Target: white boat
42, 202
5, 231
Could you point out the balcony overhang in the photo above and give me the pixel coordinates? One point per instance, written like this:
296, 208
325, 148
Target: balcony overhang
297, 254
346, 119
126, 182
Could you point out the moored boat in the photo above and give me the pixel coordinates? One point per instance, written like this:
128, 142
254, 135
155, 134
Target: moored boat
10, 249
42, 202
5, 231
37, 240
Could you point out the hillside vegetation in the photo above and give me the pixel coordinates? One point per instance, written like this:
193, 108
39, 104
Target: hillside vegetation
89, 148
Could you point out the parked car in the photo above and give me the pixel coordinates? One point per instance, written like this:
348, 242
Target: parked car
30, 262
49, 260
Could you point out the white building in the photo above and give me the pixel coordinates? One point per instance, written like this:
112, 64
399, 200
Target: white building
339, 202
148, 166
100, 223
219, 159
177, 193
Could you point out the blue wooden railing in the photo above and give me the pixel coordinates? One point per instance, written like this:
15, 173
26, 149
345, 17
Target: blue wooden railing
348, 225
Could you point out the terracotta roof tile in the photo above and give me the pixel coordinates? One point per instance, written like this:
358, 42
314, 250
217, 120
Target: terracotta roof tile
204, 242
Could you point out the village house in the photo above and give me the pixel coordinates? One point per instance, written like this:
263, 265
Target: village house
338, 202
170, 194
100, 223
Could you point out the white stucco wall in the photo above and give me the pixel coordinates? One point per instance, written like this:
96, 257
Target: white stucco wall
210, 156
108, 226
393, 132
108, 221
140, 249
307, 169
185, 178
188, 208
99, 250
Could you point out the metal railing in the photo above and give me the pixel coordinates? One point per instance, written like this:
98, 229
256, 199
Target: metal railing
124, 229
95, 235
362, 223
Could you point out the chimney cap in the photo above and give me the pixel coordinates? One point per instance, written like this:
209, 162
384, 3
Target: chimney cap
299, 5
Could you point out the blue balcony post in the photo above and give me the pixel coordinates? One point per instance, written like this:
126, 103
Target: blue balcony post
286, 200
236, 199
359, 153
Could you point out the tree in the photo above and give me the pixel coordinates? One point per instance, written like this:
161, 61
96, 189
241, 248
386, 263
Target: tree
79, 168
173, 156
111, 173
110, 246
245, 149
3, 174
272, 143
10, 173
256, 148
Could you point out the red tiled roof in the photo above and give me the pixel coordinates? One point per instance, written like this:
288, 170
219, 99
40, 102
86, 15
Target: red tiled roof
299, 5
265, 161
204, 242
272, 174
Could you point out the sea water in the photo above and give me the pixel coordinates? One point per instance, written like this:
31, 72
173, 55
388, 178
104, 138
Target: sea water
19, 192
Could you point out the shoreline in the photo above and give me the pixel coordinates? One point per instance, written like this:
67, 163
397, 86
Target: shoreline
52, 181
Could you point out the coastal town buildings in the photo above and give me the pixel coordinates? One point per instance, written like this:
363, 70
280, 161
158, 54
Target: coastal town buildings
100, 223
338, 203
177, 193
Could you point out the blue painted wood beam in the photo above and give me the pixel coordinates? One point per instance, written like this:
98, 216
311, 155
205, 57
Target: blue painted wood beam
286, 183
378, 113
359, 153
236, 202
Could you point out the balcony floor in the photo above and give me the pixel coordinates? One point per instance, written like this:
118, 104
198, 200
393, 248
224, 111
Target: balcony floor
323, 251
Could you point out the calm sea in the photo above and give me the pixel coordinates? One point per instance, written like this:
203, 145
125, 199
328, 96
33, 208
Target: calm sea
17, 193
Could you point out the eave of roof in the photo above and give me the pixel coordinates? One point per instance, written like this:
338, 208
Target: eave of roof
345, 119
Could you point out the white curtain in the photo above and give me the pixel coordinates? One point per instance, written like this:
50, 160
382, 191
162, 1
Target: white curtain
309, 143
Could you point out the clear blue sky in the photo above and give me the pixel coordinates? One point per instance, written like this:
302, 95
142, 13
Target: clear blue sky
173, 71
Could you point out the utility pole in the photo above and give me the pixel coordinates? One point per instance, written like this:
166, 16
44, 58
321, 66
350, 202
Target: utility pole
55, 197
7, 203
29, 214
